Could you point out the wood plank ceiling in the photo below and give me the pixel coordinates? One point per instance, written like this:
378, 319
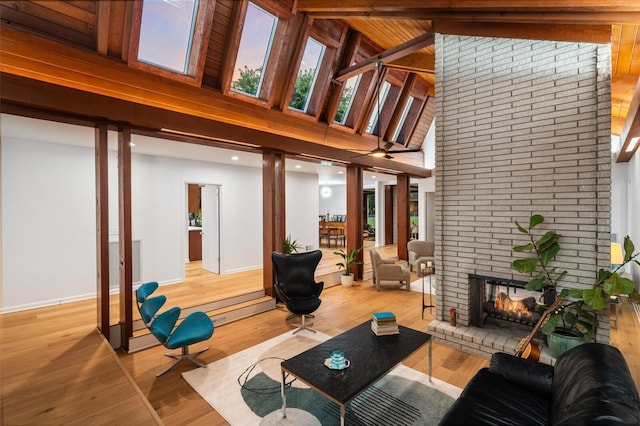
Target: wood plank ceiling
353, 30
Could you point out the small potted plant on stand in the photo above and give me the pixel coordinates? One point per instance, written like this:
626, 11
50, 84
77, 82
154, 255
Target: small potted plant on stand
348, 259
576, 320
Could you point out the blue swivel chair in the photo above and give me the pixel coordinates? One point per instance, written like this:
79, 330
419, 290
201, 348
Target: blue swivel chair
295, 283
196, 327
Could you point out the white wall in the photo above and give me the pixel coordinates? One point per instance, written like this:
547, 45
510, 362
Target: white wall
336, 204
302, 208
49, 221
619, 183
633, 209
159, 210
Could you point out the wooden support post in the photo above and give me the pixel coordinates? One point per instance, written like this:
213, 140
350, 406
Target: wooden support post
403, 202
355, 224
102, 228
273, 214
126, 257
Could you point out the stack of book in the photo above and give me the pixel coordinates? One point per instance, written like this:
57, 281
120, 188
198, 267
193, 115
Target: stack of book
384, 323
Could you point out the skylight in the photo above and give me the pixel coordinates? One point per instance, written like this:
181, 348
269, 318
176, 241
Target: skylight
348, 92
403, 118
307, 74
166, 33
255, 45
382, 97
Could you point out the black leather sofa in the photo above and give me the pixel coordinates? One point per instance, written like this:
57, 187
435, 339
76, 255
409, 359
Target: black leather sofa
589, 385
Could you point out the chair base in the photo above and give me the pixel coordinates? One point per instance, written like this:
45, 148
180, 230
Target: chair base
185, 355
304, 325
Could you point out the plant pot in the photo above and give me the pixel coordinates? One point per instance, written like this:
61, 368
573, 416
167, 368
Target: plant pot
346, 280
560, 341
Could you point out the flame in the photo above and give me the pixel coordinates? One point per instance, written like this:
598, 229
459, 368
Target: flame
505, 303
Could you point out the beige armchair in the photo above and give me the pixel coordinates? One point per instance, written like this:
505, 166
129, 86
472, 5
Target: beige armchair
420, 249
388, 270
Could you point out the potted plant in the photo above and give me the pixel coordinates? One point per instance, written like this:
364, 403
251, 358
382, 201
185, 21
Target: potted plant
348, 259
576, 320
290, 245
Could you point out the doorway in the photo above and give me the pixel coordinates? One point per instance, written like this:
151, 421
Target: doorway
203, 212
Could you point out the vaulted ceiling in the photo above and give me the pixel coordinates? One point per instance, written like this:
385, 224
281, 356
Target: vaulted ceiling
85, 53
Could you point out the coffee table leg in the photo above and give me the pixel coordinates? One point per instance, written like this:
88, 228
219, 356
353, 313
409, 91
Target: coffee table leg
284, 396
430, 358
342, 412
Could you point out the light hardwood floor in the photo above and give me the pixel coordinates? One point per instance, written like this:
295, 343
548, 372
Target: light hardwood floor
56, 369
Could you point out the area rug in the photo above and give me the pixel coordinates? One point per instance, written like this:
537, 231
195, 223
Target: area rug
245, 389
417, 285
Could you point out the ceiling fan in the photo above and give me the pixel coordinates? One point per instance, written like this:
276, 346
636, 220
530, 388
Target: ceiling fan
384, 151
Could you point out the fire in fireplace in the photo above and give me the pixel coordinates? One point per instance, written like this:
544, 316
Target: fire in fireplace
503, 299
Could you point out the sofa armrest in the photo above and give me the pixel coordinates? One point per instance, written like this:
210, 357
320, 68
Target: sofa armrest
531, 375
388, 262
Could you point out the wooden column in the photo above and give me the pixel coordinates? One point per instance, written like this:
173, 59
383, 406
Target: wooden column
403, 201
273, 214
102, 228
355, 224
126, 258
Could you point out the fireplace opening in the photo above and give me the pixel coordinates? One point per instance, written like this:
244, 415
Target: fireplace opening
503, 302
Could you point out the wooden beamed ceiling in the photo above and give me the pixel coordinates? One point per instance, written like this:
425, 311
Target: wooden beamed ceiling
90, 46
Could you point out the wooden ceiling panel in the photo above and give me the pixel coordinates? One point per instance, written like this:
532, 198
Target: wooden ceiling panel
217, 42
55, 20
625, 48
388, 33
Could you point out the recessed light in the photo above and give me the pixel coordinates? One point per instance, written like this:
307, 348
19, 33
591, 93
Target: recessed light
340, 172
132, 144
373, 177
235, 158
298, 166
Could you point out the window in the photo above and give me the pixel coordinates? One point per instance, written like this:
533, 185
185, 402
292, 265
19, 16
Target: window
307, 74
403, 118
382, 97
255, 45
348, 92
166, 33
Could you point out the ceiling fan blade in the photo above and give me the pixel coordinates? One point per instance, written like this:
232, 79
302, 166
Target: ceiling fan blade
404, 151
387, 146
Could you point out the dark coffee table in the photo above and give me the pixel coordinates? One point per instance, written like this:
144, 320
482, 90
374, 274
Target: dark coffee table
371, 357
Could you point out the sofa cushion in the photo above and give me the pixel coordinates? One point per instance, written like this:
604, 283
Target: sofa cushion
534, 376
592, 385
490, 399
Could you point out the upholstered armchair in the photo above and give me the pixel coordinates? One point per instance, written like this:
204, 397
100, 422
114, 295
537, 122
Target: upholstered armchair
420, 250
296, 285
388, 270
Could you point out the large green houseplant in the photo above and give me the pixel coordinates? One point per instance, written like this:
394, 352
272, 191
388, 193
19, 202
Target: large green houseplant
348, 258
577, 316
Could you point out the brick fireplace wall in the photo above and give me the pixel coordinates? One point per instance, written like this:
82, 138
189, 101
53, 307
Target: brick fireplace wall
522, 127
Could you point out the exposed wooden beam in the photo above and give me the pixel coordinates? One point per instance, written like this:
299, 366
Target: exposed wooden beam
65, 66
17, 91
631, 129
389, 55
534, 11
418, 62
555, 32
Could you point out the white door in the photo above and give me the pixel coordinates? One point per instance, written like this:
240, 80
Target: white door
210, 204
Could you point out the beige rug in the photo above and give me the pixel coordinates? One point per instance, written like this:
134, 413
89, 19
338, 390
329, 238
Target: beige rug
259, 403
